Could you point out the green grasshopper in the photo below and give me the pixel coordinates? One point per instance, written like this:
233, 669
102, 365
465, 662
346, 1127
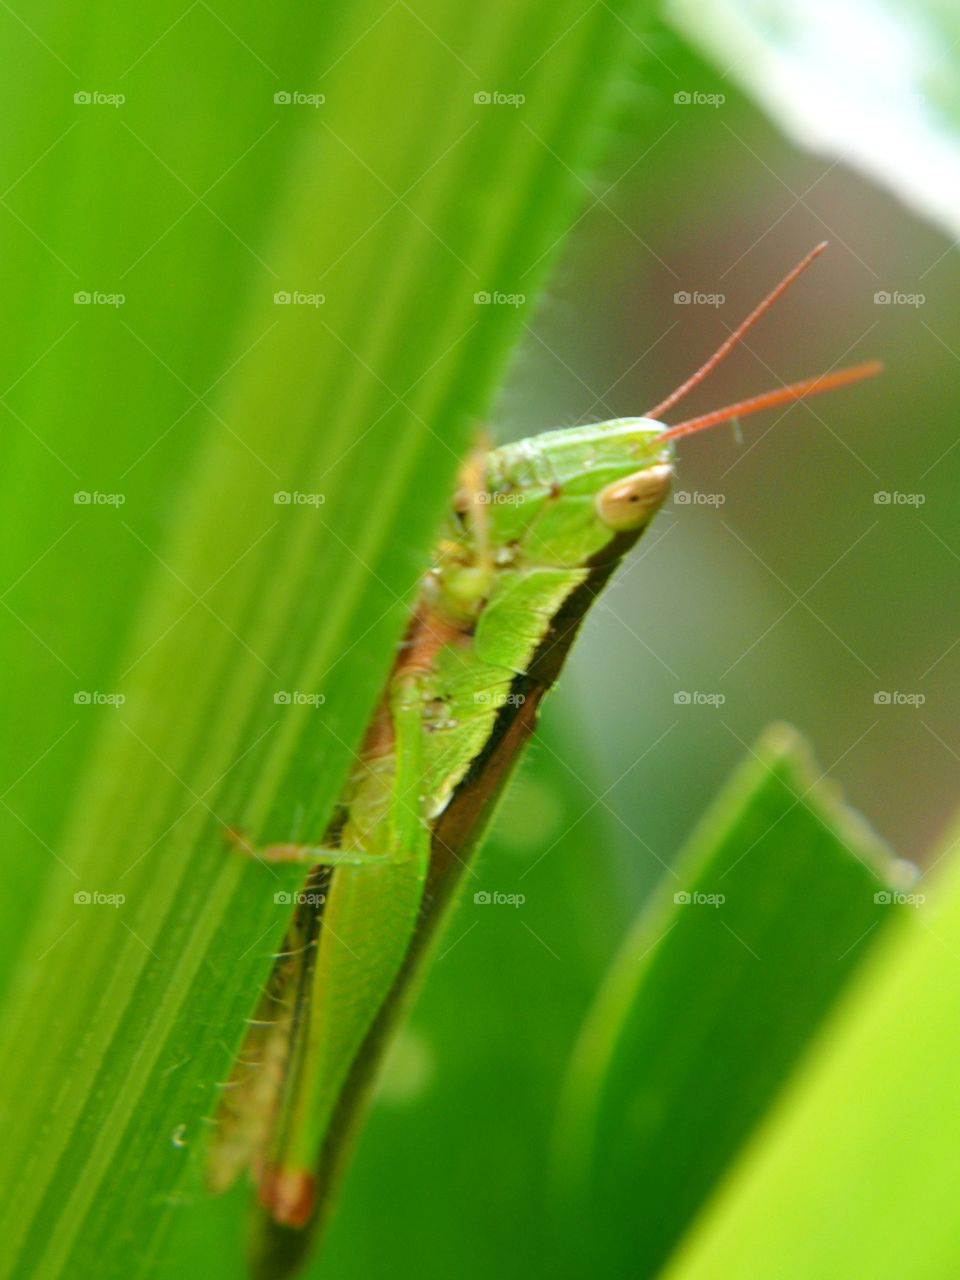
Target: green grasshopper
534, 532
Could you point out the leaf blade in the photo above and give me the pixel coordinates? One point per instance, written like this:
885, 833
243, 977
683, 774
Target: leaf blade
715, 995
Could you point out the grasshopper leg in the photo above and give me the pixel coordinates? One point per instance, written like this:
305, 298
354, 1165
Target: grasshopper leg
311, 855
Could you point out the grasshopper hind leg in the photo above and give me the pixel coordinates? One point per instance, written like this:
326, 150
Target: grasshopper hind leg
251, 1098
305, 854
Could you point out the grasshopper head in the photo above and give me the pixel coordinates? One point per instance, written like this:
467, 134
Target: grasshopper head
562, 497
567, 497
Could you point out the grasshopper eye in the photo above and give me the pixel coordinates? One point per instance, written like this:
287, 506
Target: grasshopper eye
630, 502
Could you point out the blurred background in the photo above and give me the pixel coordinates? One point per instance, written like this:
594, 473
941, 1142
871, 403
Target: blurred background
776, 582
798, 595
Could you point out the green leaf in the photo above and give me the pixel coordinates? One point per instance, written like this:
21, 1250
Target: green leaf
873, 85
856, 1171
201, 602
716, 993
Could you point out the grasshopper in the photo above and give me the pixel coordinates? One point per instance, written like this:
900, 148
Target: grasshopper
534, 531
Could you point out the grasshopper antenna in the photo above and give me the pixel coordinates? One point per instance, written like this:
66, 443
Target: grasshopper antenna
793, 391
740, 332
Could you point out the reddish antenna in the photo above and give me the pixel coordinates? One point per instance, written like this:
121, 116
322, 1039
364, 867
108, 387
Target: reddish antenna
794, 391
738, 333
